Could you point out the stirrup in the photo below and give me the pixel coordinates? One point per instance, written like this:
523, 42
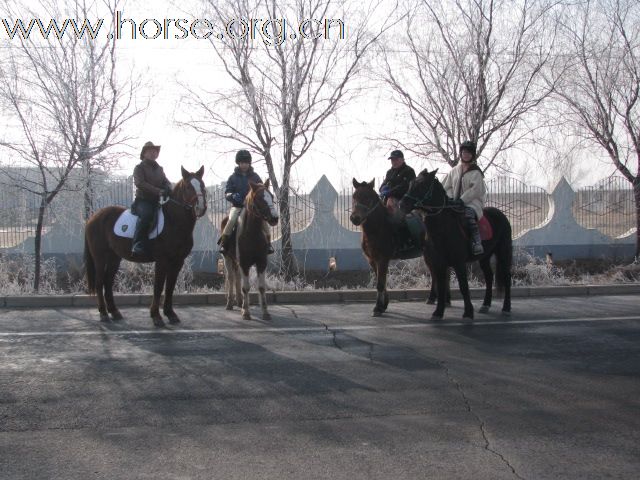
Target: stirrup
477, 249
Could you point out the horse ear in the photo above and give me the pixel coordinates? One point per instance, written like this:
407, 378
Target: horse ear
185, 174
356, 183
252, 185
266, 184
372, 183
434, 172
200, 172
424, 172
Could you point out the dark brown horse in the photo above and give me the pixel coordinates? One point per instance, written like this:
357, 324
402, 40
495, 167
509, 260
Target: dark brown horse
379, 243
249, 246
448, 243
103, 250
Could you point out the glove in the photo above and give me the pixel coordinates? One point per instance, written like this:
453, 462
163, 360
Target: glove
385, 190
237, 198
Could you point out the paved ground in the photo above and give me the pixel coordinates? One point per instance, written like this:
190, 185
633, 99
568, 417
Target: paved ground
324, 391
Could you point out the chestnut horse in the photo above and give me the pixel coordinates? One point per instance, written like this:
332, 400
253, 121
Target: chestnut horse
378, 239
448, 243
103, 249
248, 246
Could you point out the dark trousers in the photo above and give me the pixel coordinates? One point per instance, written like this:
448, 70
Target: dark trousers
145, 211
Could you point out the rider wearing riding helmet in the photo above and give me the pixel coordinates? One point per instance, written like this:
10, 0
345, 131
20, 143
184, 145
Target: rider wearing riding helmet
465, 185
235, 192
151, 183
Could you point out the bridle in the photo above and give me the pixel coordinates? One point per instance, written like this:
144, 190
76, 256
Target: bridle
368, 209
189, 205
263, 213
429, 210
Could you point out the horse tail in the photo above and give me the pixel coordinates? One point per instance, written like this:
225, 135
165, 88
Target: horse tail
504, 259
90, 267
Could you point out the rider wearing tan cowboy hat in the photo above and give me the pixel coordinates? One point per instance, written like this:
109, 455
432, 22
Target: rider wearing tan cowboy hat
151, 183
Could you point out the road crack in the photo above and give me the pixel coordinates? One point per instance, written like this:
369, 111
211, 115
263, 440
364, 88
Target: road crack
481, 423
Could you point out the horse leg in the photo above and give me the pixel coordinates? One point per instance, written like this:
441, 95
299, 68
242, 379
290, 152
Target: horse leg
158, 285
100, 287
172, 277
237, 275
262, 286
382, 298
246, 314
433, 292
461, 273
229, 280
485, 265
113, 263
441, 280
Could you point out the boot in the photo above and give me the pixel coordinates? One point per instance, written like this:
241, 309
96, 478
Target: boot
476, 241
222, 241
139, 247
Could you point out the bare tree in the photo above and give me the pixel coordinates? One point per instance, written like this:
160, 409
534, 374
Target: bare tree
288, 80
600, 82
66, 103
469, 69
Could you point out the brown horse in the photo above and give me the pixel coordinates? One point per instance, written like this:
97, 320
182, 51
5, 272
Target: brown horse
103, 250
379, 243
248, 246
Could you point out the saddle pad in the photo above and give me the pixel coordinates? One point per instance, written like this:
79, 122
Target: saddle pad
126, 225
486, 231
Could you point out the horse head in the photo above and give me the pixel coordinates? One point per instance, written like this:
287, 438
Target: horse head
191, 192
260, 203
425, 192
365, 201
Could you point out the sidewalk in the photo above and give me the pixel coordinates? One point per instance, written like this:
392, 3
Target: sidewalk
312, 296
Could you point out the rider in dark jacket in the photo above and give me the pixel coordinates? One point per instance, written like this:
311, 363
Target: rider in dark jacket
235, 192
396, 182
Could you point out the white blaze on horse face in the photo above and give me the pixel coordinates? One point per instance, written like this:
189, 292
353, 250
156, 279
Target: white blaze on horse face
197, 186
269, 199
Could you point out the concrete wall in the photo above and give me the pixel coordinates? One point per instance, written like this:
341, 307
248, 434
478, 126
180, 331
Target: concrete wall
324, 237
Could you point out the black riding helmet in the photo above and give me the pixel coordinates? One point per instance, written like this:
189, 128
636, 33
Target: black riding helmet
469, 146
243, 156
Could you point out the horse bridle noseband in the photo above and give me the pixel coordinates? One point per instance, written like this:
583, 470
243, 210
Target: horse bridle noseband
189, 205
369, 210
419, 202
259, 212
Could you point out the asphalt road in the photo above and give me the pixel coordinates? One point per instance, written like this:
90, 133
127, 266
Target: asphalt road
324, 391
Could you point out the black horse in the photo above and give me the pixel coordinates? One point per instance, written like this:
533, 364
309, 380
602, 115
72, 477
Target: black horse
448, 243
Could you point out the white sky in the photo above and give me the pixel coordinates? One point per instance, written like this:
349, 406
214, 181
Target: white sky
342, 152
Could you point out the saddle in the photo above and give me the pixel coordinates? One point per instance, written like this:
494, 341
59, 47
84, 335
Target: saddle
126, 224
408, 237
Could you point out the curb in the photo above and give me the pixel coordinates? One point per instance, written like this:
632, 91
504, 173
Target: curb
301, 297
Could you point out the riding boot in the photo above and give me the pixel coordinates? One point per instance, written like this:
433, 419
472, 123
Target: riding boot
476, 241
140, 239
222, 241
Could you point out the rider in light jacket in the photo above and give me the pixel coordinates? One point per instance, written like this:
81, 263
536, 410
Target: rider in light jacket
465, 185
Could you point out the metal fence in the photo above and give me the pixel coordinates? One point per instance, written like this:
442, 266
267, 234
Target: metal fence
608, 206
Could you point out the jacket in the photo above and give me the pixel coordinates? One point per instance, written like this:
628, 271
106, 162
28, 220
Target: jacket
473, 191
239, 183
150, 180
398, 179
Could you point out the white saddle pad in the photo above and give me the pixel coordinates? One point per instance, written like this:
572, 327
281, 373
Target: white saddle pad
126, 225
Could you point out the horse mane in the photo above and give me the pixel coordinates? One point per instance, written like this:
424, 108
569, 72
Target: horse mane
249, 200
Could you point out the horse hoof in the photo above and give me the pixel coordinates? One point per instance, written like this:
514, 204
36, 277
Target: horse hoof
506, 313
229, 307
484, 309
431, 302
437, 316
158, 322
246, 316
467, 317
116, 316
104, 318
376, 313
266, 317
174, 320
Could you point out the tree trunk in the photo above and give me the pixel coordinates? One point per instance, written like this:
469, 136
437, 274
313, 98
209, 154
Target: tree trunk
38, 245
636, 195
288, 266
